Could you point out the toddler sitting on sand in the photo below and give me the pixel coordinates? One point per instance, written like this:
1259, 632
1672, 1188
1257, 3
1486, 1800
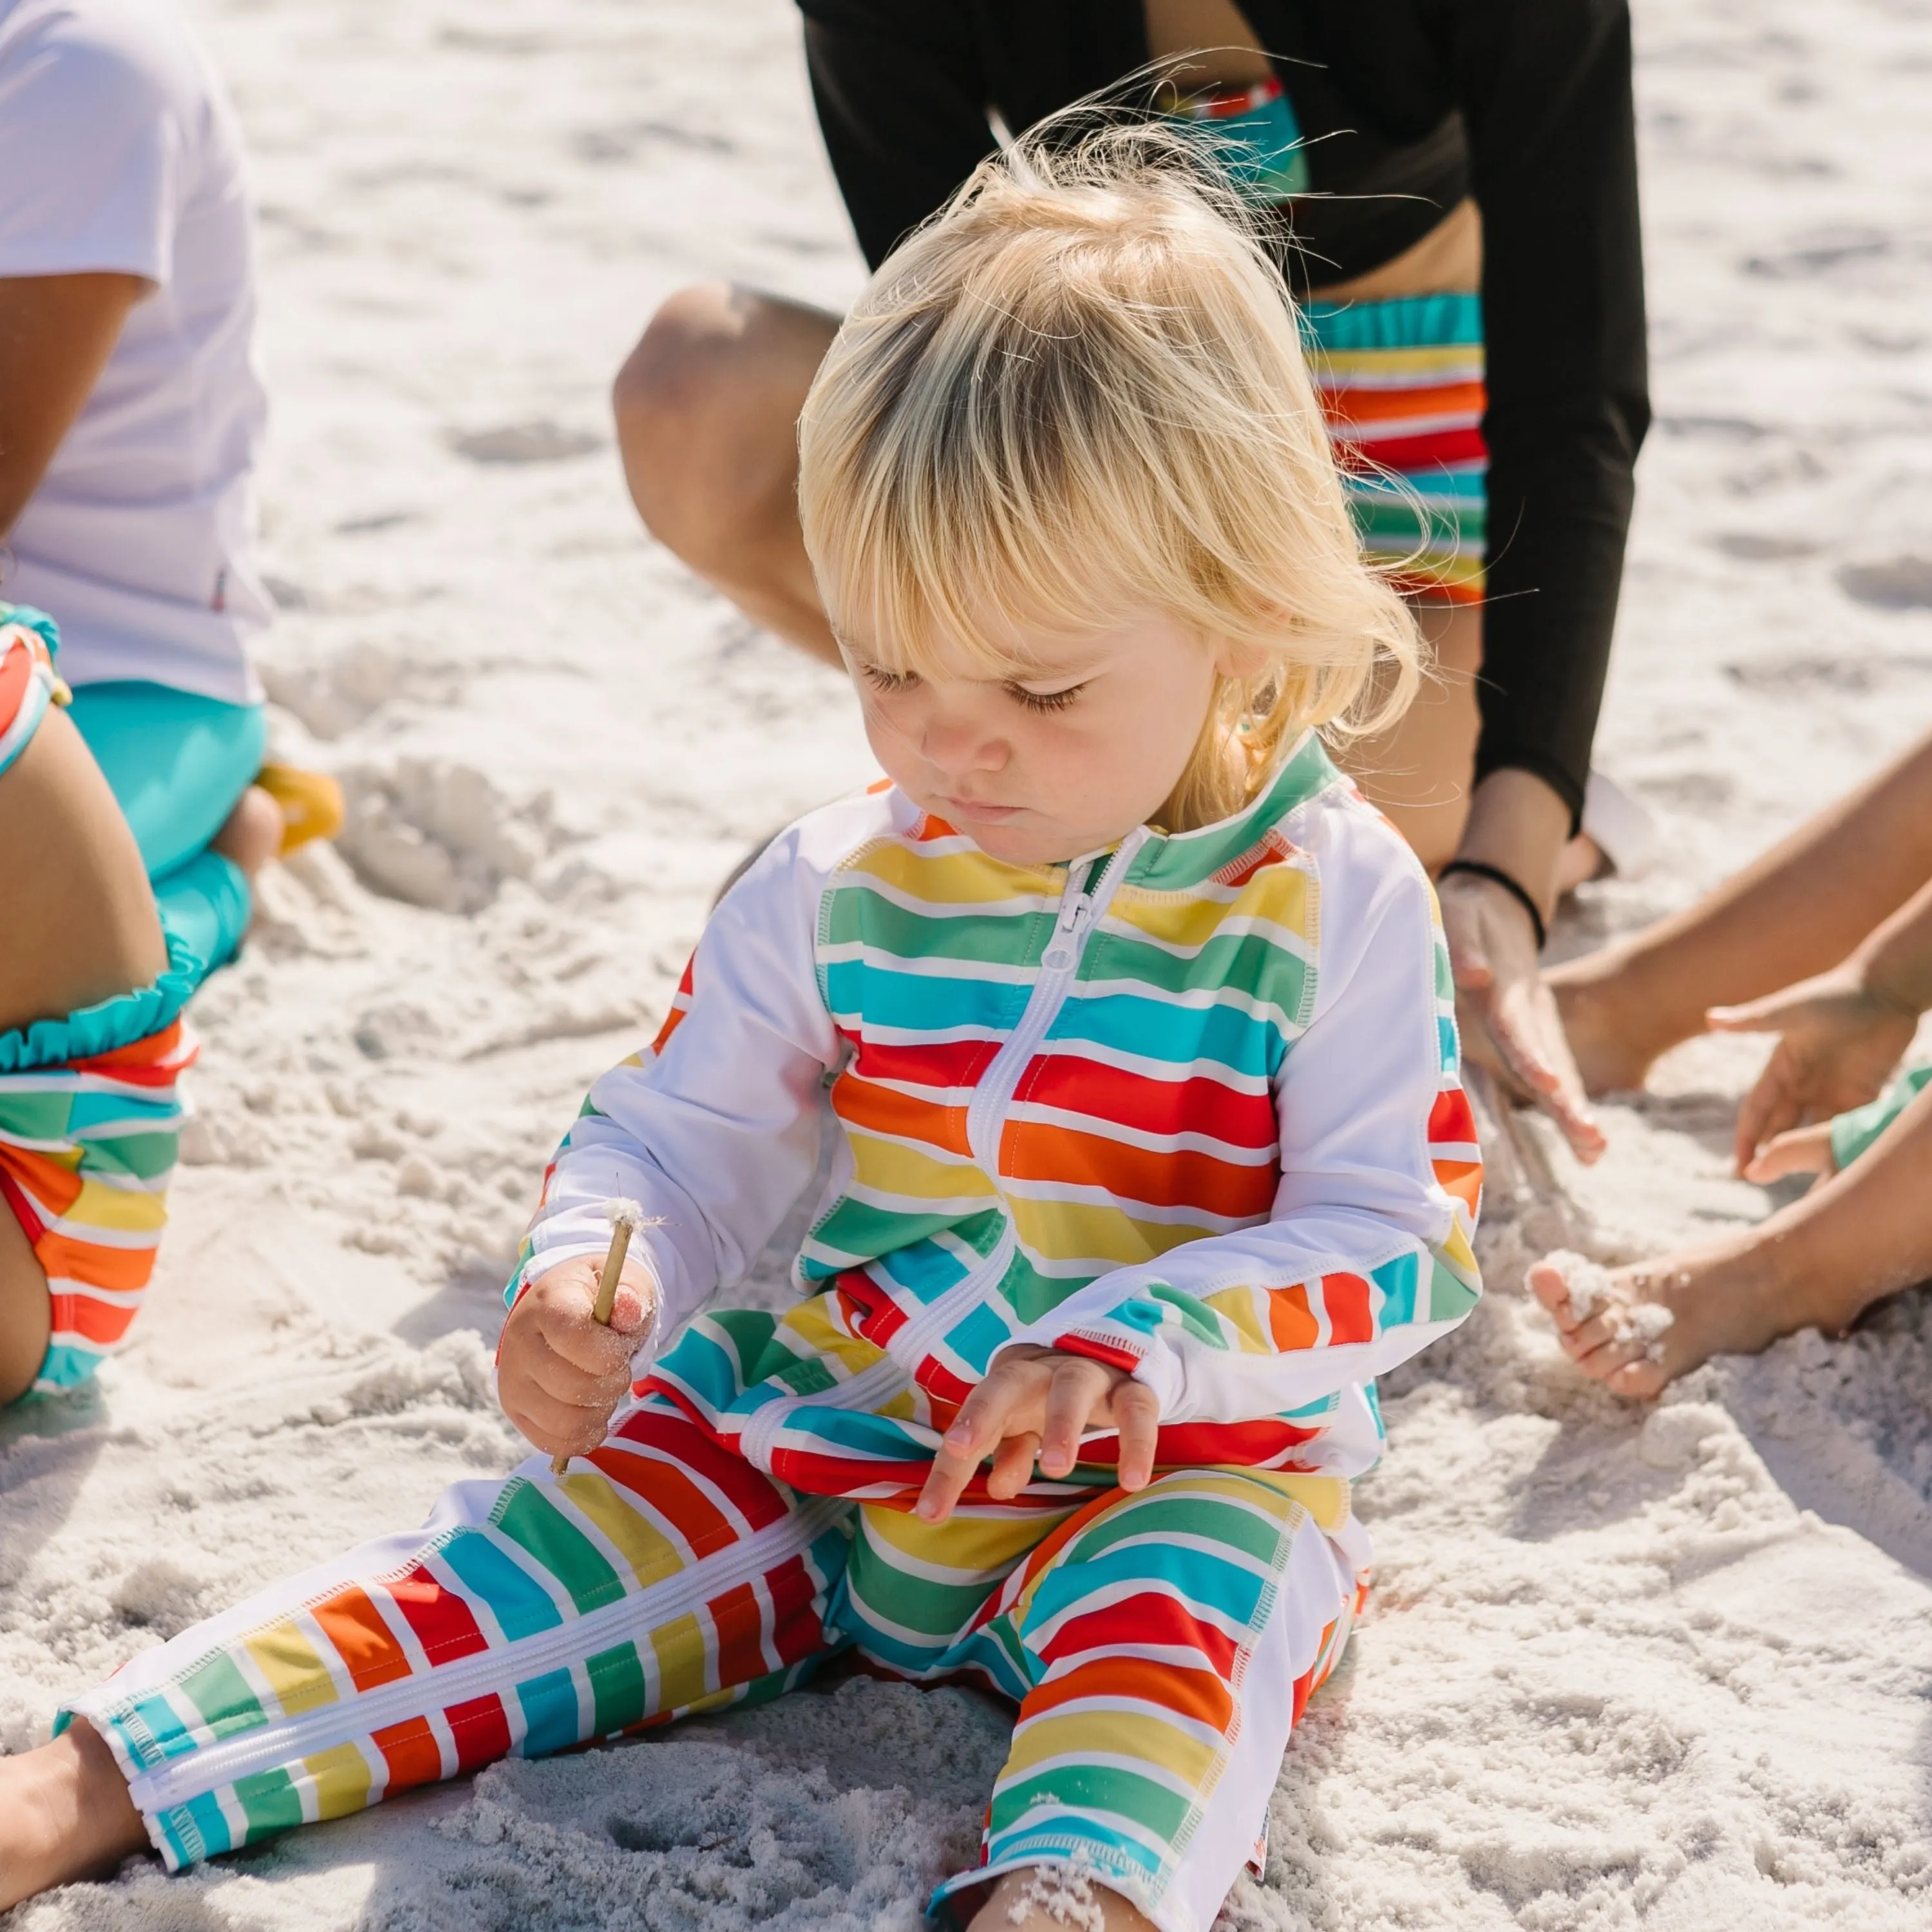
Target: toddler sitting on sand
1849, 893
1150, 1150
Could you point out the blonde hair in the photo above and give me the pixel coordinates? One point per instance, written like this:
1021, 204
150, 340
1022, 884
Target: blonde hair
1079, 393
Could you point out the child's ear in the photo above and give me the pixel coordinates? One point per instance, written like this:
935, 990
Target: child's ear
1239, 662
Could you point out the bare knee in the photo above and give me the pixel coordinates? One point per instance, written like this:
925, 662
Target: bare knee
706, 407
26, 1314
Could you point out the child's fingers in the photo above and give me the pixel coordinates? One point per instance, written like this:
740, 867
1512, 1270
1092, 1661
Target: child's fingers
564, 1320
1077, 1389
1805, 1150
1768, 1110
553, 1425
1013, 1466
979, 1425
1137, 1416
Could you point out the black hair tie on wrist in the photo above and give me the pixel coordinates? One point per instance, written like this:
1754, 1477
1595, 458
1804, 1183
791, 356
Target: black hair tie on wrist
1476, 869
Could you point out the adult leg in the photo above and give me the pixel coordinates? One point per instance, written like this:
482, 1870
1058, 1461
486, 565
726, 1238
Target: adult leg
1421, 770
660, 1576
1862, 1234
1796, 911
707, 407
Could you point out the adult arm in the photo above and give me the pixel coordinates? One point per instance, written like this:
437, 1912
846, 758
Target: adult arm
1544, 88
56, 333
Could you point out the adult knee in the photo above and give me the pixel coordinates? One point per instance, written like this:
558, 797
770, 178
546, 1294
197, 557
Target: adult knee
689, 428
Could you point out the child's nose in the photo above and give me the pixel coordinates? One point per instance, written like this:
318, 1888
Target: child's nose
957, 745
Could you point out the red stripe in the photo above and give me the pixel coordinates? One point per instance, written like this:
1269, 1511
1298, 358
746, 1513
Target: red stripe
1451, 1119
1198, 1104
798, 1628
102, 1323
1149, 1618
482, 1731
739, 1619
32, 1225
1346, 1298
746, 1490
1416, 452
943, 1063
441, 1619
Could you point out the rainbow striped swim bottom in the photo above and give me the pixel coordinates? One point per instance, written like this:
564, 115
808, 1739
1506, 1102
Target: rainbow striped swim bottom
1401, 384
1159, 1647
90, 1106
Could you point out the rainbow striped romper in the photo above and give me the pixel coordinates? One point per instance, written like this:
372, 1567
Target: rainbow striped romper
1190, 1105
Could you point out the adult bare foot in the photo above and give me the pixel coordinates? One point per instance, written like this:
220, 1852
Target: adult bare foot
64, 1815
252, 834
1612, 1045
1636, 1329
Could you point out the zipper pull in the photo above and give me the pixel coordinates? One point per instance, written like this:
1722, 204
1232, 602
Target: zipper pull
1074, 918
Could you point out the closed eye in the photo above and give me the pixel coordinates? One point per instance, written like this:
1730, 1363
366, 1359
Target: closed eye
1044, 700
881, 679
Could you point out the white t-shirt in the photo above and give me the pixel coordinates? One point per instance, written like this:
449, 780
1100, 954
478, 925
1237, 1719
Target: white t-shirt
118, 151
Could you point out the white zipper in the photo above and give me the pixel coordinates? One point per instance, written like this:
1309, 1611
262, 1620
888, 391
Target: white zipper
1080, 909
215, 1765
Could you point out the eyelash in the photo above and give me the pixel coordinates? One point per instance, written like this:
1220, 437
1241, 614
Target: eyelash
1045, 700
890, 683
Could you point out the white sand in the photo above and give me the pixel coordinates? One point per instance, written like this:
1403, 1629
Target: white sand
1668, 1671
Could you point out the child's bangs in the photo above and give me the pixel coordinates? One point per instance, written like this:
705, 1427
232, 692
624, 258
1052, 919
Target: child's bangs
950, 575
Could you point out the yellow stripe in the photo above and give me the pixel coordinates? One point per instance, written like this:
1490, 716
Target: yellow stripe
893, 1168
973, 1546
1279, 896
295, 1672
941, 879
1445, 363
1239, 1308
684, 1664
652, 1555
342, 1781
1072, 1230
1128, 1734
124, 1209
810, 1330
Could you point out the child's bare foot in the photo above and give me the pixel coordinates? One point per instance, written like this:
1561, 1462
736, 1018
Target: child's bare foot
252, 834
1634, 1329
64, 1815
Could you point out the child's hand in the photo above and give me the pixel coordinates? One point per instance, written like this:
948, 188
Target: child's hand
1839, 1041
559, 1373
1036, 1402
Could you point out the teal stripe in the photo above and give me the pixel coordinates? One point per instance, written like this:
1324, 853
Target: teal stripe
1134, 1023
515, 1598
1450, 319
550, 1714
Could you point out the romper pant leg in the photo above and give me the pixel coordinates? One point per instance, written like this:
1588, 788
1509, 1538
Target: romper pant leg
662, 1575
1171, 1638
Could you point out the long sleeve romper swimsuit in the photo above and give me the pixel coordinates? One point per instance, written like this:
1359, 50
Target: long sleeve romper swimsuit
1190, 1105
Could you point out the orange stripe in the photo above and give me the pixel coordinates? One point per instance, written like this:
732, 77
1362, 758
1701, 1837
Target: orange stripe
1461, 1178
369, 1653
1291, 1322
860, 1104
1198, 1694
48, 1178
1344, 405
410, 1750
1032, 1151
95, 1267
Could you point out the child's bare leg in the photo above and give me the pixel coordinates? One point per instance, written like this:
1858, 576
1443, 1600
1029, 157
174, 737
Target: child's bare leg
64, 1815
1855, 1238
1056, 1898
1798, 909
80, 927
252, 834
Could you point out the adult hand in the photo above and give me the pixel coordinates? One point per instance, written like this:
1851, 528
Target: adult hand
559, 1373
1507, 1015
1839, 1038
1035, 1403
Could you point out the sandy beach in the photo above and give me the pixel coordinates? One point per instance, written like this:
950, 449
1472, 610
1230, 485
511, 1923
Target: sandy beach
1666, 1668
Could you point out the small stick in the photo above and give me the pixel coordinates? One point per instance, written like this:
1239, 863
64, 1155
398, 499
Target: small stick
625, 1217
